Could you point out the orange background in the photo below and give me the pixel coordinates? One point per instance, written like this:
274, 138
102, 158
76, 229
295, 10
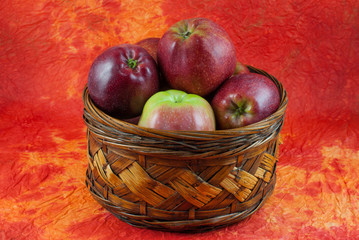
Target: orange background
46, 49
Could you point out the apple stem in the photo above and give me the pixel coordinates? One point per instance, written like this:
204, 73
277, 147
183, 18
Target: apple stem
132, 63
177, 98
240, 108
186, 34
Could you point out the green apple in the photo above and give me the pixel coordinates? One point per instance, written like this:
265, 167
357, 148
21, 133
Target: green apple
177, 110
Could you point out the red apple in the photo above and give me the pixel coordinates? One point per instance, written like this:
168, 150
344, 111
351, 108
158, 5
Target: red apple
121, 79
240, 68
151, 44
177, 110
133, 120
244, 99
196, 55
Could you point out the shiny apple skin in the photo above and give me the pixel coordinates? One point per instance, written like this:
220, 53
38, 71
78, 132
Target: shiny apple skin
196, 55
178, 111
245, 99
150, 44
115, 87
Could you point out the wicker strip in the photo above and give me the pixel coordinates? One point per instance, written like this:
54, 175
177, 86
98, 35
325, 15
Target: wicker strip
181, 181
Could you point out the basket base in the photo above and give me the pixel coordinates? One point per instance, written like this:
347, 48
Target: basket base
189, 226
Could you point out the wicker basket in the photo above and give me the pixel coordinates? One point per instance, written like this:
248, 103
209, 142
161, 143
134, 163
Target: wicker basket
181, 181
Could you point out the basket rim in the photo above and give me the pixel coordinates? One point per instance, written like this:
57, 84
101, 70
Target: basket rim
89, 106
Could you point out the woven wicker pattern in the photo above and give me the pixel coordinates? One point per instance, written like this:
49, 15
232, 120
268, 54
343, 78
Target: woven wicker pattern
181, 181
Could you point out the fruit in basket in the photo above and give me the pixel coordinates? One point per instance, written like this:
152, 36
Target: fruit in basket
133, 120
240, 68
245, 99
121, 79
150, 44
177, 110
196, 55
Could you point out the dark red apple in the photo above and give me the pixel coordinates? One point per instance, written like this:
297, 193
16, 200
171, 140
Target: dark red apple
196, 55
133, 120
150, 44
245, 99
121, 79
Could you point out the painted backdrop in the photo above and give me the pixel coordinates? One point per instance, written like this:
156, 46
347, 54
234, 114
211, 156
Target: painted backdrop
46, 49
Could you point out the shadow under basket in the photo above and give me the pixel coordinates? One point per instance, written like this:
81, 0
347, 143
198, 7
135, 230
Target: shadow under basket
183, 181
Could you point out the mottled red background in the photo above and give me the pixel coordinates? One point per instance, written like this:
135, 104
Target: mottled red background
47, 46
